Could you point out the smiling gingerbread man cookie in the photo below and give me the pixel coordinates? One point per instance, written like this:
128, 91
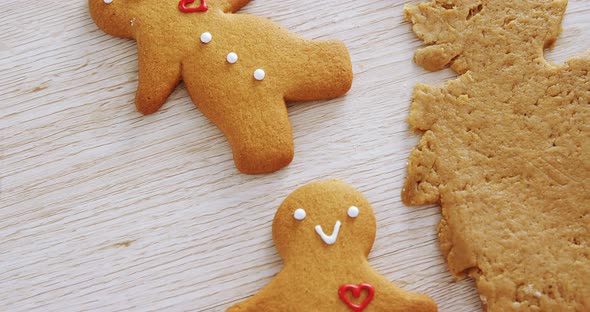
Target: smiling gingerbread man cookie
238, 69
324, 232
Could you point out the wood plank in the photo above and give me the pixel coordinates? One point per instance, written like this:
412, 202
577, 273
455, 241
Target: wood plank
104, 209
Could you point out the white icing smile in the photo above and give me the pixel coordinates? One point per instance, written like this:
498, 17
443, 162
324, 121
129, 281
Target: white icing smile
330, 240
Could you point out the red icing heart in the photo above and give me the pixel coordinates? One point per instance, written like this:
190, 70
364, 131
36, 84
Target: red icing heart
356, 293
182, 5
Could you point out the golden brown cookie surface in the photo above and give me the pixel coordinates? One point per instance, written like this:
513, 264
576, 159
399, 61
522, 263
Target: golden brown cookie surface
506, 151
324, 232
238, 69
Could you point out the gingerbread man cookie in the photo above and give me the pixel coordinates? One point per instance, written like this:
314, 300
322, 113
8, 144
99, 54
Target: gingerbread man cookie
505, 151
238, 69
324, 232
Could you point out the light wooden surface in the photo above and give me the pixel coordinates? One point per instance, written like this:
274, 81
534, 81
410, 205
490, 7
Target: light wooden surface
104, 209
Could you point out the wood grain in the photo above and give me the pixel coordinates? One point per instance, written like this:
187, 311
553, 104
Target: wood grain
104, 209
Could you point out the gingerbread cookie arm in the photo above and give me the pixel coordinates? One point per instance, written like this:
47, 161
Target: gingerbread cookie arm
324, 73
420, 303
240, 307
158, 77
405, 301
421, 186
266, 300
442, 47
232, 6
253, 304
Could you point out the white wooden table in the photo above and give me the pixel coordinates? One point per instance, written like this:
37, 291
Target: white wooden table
104, 209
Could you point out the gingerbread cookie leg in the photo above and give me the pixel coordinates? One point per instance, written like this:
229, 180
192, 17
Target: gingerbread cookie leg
158, 77
265, 143
324, 73
257, 129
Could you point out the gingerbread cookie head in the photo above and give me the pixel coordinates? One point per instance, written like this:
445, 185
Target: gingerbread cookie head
446, 26
324, 219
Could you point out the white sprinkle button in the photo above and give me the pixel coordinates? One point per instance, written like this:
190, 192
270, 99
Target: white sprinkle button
108, 1
353, 212
232, 58
206, 37
299, 214
259, 74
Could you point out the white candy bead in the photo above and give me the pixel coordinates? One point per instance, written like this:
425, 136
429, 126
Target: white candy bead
232, 58
353, 212
299, 214
206, 37
259, 74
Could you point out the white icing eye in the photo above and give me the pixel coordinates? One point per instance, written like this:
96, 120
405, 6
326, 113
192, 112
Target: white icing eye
353, 212
259, 74
108, 1
206, 37
299, 214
